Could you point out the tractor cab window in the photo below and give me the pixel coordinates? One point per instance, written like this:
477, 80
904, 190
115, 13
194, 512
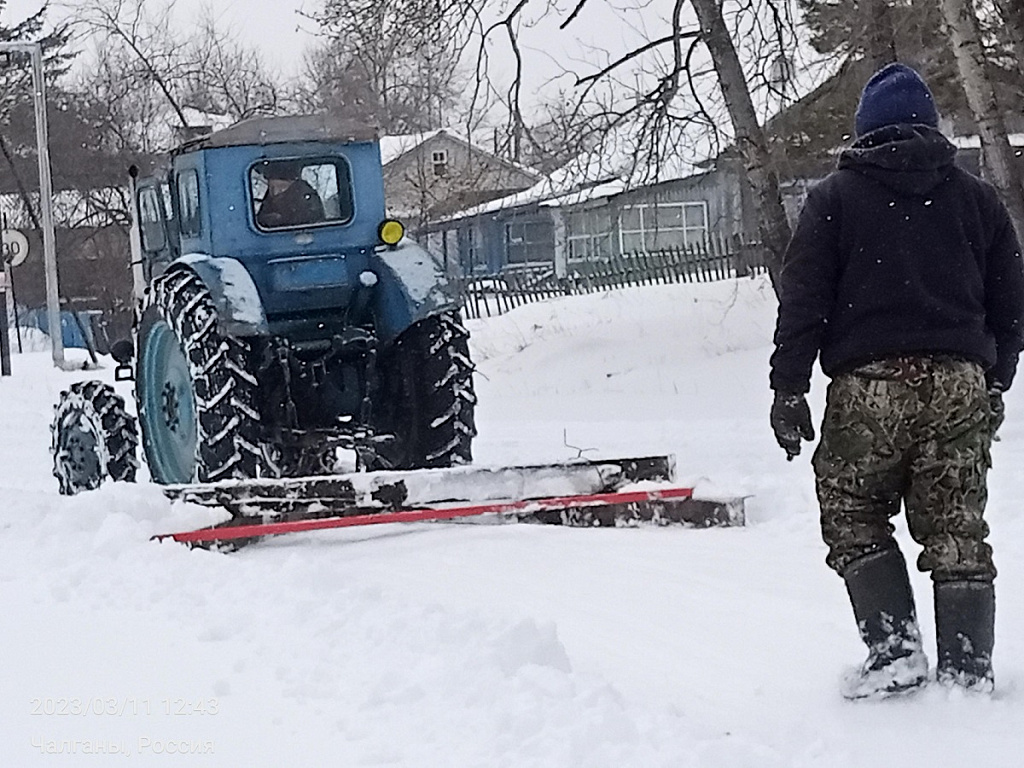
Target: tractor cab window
188, 201
300, 193
151, 222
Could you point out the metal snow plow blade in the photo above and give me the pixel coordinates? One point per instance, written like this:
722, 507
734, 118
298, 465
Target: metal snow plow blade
584, 493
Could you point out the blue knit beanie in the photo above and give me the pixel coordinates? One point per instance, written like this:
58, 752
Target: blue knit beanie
895, 94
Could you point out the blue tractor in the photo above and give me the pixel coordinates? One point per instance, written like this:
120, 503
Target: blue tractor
280, 316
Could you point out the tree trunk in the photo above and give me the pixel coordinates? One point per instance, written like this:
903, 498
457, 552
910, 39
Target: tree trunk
997, 155
773, 226
1012, 14
881, 35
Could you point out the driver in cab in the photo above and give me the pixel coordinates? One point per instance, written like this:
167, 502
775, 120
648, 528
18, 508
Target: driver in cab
290, 201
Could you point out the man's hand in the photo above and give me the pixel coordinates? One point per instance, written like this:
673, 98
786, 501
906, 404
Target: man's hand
997, 411
791, 421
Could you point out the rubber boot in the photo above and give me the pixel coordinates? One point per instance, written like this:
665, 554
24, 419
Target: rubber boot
883, 604
965, 613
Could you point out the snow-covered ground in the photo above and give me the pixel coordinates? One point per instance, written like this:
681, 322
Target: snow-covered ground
488, 645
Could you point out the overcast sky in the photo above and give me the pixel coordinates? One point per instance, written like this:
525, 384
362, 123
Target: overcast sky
276, 28
553, 57
272, 25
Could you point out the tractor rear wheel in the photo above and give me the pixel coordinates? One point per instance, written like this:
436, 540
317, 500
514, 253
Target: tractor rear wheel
427, 398
93, 437
197, 397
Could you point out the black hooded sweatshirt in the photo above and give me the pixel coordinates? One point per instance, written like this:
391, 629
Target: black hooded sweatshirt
899, 252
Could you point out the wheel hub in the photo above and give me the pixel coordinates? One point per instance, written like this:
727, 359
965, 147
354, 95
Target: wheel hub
170, 403
167, 406
79, 450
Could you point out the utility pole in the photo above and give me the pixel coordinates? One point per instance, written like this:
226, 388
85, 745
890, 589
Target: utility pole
35, 53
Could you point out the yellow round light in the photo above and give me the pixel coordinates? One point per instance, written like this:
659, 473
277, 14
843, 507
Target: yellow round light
391, 231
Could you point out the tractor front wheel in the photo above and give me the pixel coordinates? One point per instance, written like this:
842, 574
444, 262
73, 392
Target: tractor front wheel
197, 397
93, 438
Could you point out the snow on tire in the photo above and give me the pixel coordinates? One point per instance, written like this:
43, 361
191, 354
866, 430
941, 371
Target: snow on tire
93, 438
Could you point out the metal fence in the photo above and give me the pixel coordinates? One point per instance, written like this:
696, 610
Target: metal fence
518, 284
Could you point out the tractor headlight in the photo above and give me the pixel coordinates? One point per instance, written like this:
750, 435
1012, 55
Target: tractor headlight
390, 231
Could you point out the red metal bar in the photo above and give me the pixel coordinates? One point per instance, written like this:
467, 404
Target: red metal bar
229, 532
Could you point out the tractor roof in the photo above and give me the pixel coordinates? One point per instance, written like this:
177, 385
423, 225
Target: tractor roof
285, 130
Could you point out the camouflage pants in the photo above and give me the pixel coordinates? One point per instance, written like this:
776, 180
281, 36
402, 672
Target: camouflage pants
914, 430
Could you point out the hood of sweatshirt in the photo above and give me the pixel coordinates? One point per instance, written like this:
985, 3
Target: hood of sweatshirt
910, 159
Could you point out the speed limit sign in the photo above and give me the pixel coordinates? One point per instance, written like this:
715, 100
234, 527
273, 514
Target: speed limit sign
13, 246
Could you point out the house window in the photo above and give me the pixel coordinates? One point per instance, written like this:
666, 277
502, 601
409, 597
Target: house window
188, 200
657, 226
531, 241
589, 234
439, 162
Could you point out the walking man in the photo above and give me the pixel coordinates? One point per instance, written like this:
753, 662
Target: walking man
905, 275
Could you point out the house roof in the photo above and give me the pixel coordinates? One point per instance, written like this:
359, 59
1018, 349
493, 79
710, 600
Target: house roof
974, 142
394, 147
588, 178
587, 194
820, 123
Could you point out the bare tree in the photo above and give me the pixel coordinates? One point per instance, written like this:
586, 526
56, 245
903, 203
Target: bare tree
147, 74
139, 32
1012, 14
17, 134
972, 61
559, 132
750, 137
15, 76
232, 78
394, 61
125, 103
882, 35
667, 106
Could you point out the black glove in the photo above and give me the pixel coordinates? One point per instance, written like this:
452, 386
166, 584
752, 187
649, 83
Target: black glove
791, 421
997, 411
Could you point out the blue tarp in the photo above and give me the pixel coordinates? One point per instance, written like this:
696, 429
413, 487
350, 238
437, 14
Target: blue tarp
71, 333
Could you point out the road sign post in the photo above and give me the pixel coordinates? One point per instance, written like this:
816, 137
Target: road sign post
5, 339
13, 251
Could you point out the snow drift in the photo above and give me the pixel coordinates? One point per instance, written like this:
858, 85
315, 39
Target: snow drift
488, 645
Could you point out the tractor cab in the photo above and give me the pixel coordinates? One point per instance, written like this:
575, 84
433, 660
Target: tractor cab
296, 202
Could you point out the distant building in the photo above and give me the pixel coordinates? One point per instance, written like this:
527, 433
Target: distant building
429, 175
584, 215
561, 221
548, 224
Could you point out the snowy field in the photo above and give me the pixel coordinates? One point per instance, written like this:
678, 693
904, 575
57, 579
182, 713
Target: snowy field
459, 645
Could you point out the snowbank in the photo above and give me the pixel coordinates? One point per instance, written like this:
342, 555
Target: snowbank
487, 645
